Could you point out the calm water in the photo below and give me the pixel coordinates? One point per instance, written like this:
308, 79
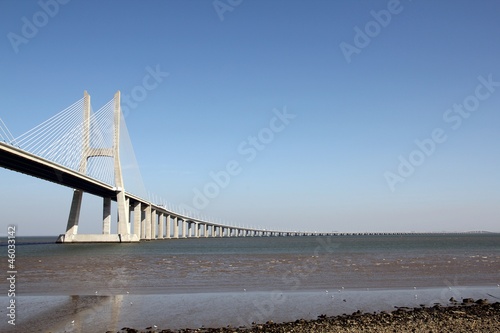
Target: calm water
217, 282
256, 264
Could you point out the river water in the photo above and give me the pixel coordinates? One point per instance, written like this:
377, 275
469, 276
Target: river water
217, 282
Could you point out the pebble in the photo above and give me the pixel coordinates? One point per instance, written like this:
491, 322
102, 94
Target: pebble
471, 316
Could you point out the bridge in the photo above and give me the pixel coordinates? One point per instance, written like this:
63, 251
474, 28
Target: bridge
80, 149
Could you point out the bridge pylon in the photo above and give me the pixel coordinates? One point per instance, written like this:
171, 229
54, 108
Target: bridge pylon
123, 229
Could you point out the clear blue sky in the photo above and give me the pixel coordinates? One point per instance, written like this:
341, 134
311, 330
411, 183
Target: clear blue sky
362, 86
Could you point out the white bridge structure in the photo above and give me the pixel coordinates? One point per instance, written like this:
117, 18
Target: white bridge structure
80, 149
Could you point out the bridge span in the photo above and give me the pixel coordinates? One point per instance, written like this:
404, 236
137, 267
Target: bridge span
80, 149
62, 150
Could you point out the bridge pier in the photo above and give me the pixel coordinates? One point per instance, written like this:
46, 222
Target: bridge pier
184, 226
137, 219
160, 225
106, 216
176, 227
154, 223
197, 230
147, 222
168, 231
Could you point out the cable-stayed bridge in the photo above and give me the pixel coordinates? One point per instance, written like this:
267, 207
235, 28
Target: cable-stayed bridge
80, 149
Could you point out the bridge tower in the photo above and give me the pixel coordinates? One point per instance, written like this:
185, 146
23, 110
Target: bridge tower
123, 228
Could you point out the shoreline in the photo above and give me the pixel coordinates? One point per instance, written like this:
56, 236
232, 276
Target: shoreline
175, 312
468, 316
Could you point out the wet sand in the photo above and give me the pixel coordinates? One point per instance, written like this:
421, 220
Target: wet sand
176, 312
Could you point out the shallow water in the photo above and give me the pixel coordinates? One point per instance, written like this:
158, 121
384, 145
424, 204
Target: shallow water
195, 282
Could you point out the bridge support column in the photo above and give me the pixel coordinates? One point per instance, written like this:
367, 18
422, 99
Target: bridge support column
143, 222
137, 219
148, 223
74, 216
205, 232
106, 216
160, 225
168, 231
154, 223
184, 226
176, 227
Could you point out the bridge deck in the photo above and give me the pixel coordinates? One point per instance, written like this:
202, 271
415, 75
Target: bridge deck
18, 160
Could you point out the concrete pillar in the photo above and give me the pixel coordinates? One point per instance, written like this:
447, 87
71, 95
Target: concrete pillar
168, 231
154, 223
160, 225
205, 230
74, 214
127, 211
147, 222
197, 230
184, 226
143, 222
176, 227
106, 216
190, 229
137, 219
